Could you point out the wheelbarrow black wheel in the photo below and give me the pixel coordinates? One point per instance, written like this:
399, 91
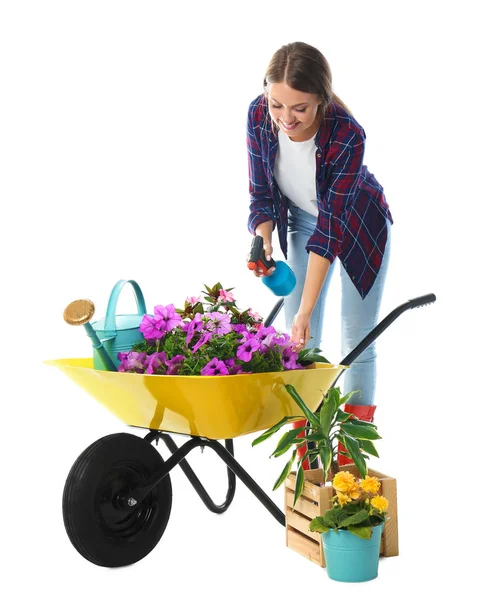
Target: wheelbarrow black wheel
98, 525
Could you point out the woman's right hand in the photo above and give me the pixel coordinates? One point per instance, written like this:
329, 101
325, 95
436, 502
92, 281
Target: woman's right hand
265, 231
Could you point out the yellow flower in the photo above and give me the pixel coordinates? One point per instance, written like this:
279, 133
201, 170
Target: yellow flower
380, 503
354, 492
343, 481
343, 498
370, 485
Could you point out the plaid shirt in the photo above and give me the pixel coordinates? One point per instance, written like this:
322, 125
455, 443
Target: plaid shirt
352, 207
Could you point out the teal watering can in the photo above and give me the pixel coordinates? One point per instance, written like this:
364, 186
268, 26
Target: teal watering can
119, 333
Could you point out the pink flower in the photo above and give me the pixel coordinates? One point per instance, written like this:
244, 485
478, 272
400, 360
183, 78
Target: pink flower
193, 300
257, 316
224, 296
215, 367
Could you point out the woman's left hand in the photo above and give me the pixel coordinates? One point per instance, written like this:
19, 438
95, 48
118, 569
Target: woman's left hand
300, 331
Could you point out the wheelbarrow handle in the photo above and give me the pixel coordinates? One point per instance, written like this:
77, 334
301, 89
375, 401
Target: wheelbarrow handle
375, 333
274, 312
384, 324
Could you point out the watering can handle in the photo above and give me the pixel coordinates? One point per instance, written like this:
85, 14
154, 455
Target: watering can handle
110, 322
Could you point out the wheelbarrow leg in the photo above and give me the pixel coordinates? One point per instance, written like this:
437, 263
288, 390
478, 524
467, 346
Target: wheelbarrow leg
226, 454
248, 481
193, 478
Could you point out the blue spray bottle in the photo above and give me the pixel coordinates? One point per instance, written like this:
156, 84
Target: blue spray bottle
282, 281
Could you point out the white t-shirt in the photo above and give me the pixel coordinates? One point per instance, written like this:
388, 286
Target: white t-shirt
295, 172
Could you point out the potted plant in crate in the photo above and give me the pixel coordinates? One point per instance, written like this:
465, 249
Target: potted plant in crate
351, 529
308, 493
324, 430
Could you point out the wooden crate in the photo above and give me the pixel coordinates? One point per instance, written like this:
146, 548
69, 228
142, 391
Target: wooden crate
316, 499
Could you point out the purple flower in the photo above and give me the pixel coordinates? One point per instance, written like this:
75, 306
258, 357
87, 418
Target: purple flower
151, 329
246, 349
174, 364
239, 328
154, 361
132, 362
232, 367
195, 325
168, 315
247, 335
280, 339
206, 337
289, 357
215, 367
219, 323
263, 332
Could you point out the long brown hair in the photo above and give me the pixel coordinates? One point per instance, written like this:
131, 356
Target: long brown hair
305, 69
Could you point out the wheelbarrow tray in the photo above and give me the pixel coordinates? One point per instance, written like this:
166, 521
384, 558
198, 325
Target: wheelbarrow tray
215, 407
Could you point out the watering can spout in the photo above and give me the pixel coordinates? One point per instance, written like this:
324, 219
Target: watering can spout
80, 312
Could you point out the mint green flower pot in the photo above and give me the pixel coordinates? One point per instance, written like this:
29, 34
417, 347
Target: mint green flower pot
350, 558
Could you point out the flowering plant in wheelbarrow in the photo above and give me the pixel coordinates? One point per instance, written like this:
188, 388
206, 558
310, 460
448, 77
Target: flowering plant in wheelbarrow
323, 431
212, 338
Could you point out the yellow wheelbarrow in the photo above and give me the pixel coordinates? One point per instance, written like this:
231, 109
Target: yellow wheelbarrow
118, 495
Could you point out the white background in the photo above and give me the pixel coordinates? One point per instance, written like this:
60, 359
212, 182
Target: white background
123, 156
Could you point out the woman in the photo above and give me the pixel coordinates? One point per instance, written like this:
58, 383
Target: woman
308, 181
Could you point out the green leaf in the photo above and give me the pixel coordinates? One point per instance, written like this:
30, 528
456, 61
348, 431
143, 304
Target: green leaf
368, 447
287, 440
300, 482
334, 516
359, 431
326, 414
311, 355
315, 437
342, 416
351, 508
311, 454
363, 532
354, 519
326, 459
354, 419
335, 396
272, 430
352, 445
285, 472
318, 524
198, 308
311, 417
347, 397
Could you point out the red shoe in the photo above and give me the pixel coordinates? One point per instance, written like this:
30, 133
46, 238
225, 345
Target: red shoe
364, 413
303, 448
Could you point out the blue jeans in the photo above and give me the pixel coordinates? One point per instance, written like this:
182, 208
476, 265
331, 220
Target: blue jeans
358, 316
